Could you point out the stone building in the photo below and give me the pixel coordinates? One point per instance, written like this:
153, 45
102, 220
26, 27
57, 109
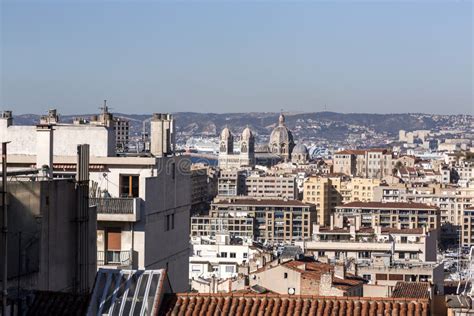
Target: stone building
281, 140
246, 156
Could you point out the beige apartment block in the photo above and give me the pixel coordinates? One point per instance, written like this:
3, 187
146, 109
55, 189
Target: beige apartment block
401, 215
329, 192
468, 228
277, 221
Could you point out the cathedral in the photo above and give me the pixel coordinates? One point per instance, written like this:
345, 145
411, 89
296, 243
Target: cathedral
281, 140
281, 145
228, 159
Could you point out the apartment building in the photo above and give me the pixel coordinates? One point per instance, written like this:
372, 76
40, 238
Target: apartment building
336, 244
142, 201
277, 221
367, 163
200, 193
122, 132
267, 186
211, 226
331, 191
401, 215
222, 257
49, 249
451, 200
383, 272
231, 182
467, 229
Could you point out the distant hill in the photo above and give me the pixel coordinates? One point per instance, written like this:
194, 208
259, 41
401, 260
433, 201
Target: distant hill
328, 125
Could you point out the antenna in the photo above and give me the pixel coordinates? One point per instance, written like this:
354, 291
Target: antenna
105, 109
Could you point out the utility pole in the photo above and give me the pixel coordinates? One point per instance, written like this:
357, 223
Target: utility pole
4, 229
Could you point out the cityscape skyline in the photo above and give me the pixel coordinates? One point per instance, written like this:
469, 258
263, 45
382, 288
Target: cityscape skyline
238, 57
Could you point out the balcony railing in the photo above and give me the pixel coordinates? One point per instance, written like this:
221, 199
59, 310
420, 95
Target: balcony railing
122, 258
117, 209
113, 205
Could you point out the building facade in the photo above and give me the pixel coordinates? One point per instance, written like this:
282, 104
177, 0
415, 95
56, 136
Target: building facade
389, 214
278, 221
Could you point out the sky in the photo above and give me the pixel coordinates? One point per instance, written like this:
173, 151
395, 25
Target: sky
237, 56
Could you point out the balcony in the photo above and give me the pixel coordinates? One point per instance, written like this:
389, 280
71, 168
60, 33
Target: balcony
115, 258
117, 209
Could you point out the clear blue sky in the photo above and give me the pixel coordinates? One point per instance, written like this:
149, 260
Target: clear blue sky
144, 56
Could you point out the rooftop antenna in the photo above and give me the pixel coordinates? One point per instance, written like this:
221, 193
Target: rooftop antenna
105, 108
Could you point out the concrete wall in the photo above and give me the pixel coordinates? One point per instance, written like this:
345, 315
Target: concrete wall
274, 280
66, 138
169, 193
45, 213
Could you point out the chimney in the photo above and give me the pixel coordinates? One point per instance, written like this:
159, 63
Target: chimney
162, 134
340, 270
7, 117
44, 149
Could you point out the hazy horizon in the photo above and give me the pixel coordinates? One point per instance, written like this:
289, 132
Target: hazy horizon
286, 113
237, 57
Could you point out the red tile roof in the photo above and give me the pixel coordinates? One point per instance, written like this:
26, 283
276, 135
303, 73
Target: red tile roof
272, 304
389, 205
412, 290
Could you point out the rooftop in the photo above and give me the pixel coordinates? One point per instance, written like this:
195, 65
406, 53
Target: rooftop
389, 205
412, 290
263, 202
273, 304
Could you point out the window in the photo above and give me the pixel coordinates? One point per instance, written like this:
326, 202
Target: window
414, 255
368, 277
245, 255
223, 254
195, 268
364, 255
285, 275
232, 254
129, 186
198, 253
169, 222
229, 269
401, 255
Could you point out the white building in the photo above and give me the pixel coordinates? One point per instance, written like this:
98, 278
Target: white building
143, 201
220, 258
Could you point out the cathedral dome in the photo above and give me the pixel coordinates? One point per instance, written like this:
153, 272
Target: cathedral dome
281, 135
300, 149
247, 134
225, 134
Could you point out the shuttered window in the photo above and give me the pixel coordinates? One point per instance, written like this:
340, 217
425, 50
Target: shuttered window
114, 239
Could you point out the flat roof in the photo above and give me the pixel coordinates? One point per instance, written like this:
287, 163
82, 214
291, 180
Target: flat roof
389, 205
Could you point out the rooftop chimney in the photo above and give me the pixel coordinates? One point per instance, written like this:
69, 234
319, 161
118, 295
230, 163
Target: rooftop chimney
44, 149
7, 117
161, 134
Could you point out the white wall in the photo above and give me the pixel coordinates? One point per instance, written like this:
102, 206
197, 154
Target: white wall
66, 138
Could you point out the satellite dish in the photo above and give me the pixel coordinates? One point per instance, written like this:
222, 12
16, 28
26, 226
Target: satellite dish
291, 290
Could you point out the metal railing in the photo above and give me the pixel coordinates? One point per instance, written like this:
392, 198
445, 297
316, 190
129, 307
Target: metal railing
115, 257
113, 205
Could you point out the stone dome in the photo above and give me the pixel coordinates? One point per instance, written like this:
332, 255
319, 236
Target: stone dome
225, 134
281, 135
247, 133
300, 149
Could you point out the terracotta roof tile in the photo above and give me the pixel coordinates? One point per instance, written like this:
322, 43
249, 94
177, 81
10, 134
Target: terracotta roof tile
412, 290
270, 304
